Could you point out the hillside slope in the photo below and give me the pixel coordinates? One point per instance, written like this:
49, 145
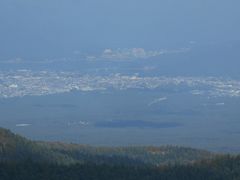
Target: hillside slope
17, 148
23, 159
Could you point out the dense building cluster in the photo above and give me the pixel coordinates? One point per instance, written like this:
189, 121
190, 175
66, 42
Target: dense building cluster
30, 83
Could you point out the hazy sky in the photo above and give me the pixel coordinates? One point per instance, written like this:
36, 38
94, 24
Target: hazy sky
52, 27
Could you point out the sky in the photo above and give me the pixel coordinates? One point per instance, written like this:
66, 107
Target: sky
31, 28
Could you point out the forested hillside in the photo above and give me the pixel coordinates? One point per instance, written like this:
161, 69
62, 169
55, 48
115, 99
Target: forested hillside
23, 159
17, 148
222, 168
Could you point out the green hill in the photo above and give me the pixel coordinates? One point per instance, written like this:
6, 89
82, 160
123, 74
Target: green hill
23, 159
15, 147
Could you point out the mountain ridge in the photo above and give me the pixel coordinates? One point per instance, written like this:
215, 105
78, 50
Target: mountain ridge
24, 159
16, 147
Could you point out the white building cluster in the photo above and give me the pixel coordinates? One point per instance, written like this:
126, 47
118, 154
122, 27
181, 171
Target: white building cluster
30, 83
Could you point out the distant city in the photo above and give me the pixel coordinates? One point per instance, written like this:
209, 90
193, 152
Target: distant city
21, 83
